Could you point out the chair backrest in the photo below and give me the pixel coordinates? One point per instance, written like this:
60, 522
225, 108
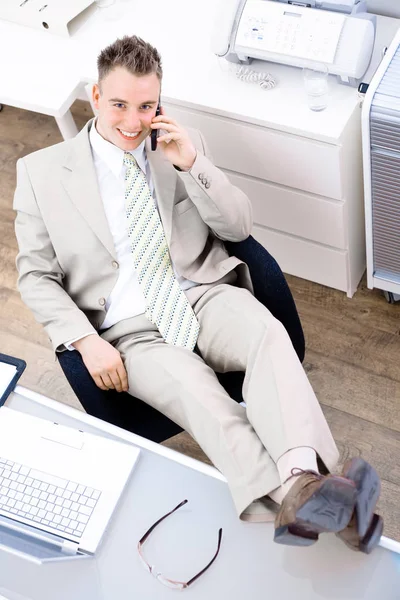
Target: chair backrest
271, 288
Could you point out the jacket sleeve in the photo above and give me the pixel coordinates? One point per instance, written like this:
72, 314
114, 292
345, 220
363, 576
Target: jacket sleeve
40, 280
222, 206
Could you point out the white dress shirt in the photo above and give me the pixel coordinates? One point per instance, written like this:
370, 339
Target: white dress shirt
126, 299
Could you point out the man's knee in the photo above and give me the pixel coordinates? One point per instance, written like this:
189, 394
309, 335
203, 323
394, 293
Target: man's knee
272, 328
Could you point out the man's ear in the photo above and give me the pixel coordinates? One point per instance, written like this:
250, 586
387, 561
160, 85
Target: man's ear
96, 96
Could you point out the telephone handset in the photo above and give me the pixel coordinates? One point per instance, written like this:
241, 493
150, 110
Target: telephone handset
225, 26
154, 133
223, 36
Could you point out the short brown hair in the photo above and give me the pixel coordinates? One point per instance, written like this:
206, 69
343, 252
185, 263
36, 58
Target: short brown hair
132, 53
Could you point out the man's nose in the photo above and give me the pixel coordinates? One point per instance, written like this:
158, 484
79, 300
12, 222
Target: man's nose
134, 121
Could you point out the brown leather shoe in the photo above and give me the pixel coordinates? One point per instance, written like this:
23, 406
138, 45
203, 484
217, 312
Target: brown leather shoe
314, 504
365, 528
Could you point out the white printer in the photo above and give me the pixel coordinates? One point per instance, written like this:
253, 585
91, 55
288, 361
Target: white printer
337, 33
61, 17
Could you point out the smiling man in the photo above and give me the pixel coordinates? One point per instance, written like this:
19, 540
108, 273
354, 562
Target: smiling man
121, 257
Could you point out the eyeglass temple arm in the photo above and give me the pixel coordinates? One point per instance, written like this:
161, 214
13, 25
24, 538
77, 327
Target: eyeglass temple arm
211, 561
148, 532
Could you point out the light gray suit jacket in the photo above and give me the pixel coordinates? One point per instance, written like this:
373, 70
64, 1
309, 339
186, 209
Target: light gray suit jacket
67, 262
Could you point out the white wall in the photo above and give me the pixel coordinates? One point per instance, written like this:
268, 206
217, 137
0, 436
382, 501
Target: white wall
388, 8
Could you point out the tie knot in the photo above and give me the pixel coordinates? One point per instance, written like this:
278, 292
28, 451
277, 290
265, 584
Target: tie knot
129, 160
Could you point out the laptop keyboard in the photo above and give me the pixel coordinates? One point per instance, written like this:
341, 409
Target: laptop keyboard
39, 497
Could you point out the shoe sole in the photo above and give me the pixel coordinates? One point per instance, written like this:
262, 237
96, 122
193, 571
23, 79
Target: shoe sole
330, 508
369, 541
373, 535
368, 487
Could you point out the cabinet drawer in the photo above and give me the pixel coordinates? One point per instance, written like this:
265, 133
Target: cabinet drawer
286, 159
305, 259
295, 212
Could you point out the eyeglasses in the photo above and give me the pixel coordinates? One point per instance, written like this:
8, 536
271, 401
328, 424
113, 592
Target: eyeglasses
180, 585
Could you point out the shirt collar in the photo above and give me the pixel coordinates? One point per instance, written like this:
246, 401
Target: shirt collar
113, 156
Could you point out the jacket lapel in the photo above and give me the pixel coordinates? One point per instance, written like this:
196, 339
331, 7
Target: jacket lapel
80, 182
164, 178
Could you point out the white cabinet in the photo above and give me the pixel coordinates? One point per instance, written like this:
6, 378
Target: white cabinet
307, 194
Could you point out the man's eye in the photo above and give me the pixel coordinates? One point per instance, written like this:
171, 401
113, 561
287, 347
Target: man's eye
146, 106
119, 105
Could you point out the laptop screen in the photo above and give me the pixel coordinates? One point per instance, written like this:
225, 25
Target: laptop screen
7, 372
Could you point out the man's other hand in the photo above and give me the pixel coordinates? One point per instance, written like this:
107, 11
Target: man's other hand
103, 362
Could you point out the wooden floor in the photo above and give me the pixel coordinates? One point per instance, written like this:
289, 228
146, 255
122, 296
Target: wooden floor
353, 346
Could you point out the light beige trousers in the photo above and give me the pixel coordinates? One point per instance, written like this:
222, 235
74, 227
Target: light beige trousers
237, 333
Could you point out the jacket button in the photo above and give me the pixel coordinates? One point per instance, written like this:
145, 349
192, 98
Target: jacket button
201, 176
207, 185
115, 264
102, 301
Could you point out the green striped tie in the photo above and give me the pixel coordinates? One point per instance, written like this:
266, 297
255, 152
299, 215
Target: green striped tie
166, 304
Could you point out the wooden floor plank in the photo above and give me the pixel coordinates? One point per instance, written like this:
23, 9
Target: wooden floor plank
354, 390
368, 307
17, 319
374, 350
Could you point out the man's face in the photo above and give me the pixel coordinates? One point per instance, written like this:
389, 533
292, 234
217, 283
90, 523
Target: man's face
126, 106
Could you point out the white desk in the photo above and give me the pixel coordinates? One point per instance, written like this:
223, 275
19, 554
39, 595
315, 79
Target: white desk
301, 170
249, 563
36, 74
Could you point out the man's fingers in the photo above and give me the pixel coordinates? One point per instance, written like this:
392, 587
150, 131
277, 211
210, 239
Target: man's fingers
167, 137
167, 126
116, 380
165, 119
123, 376
107, 381
99, 382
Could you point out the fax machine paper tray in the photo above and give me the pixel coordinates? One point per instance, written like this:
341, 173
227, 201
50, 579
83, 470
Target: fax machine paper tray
343, 6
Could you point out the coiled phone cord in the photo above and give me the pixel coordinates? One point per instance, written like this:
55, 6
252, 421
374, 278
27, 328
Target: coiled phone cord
264, 80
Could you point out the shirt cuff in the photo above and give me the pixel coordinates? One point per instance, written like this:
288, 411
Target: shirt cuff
70, 347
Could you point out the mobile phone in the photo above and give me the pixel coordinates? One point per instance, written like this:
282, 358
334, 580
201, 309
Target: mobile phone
154, 133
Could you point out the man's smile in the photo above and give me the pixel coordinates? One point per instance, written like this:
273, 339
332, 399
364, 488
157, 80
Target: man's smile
128, 135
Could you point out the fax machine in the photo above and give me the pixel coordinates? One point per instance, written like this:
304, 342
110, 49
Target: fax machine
338, 33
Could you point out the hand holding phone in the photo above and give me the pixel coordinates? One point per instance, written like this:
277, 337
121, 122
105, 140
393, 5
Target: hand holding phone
154, 133
174, 140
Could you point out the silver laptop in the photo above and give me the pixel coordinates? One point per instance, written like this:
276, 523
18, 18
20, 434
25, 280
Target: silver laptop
58, 485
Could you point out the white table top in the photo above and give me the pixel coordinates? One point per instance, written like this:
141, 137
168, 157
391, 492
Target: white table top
193, 76
249, 563
35, 71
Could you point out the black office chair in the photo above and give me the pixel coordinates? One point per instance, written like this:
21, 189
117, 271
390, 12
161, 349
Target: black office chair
123, 410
